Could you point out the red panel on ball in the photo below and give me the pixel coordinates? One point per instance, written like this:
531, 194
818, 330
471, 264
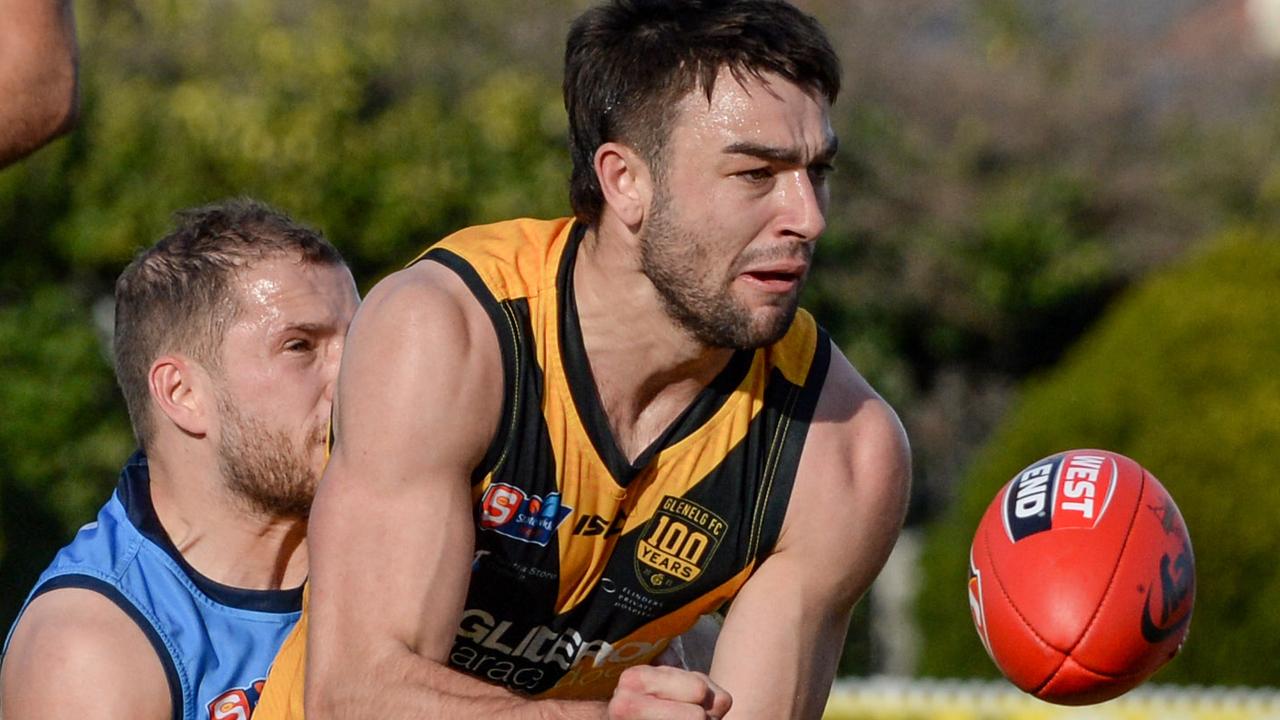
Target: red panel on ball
1020, 654
1143, 620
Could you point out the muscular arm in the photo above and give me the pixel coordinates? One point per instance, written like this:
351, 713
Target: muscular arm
391, 537
75, 654
38, 57
781, 642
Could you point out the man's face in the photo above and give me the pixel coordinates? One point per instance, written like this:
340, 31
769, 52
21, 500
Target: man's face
279, 363
737, 208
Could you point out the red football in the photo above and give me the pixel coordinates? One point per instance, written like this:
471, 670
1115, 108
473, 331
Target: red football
1081, 577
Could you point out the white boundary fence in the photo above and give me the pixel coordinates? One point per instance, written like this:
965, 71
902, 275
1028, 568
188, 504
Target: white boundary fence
892, 698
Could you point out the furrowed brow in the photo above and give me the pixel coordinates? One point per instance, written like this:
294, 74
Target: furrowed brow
311, 328
786, 156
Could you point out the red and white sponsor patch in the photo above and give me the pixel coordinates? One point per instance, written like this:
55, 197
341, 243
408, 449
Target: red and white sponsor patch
1070, 490
1084, 490
231, 705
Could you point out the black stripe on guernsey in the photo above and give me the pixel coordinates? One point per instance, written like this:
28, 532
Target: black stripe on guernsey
586, 398
110, 592
510, 331
771, 452
134, 491
774, 506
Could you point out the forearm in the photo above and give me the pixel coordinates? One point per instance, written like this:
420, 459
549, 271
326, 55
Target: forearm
407, 686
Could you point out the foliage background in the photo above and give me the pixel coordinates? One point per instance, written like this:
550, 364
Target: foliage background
1178, 374
1008, 170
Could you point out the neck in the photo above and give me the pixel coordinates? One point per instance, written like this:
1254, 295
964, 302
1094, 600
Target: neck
647, 368
216, 534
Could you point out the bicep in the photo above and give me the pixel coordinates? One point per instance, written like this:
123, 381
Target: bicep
391, 531
75, 654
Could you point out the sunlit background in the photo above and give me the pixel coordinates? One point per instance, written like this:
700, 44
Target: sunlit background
1054, 224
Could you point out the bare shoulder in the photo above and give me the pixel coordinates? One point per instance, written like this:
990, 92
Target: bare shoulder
421, 339
423, 325
855, 431
76, 654
423, 297
852, 483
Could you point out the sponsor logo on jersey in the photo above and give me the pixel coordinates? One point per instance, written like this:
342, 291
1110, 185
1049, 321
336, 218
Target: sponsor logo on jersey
677, 544
1063, 491
510, 511
630, 600
532, 659
237, 704
598, 525
975, 603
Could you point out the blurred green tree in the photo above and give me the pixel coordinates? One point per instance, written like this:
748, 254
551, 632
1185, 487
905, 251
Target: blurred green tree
1181, 377
1005, 170
388, 126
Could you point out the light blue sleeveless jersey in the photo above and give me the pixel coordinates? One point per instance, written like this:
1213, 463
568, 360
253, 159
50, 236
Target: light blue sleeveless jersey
215, 642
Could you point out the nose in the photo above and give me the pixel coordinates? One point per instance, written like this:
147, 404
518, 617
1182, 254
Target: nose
804, 203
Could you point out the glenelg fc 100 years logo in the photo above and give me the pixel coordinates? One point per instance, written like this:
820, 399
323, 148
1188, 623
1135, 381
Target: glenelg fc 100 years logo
676, 544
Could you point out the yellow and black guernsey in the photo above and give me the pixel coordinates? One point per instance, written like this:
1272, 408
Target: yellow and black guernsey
587, 563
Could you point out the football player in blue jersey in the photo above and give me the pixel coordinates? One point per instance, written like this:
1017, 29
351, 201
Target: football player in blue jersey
228, 335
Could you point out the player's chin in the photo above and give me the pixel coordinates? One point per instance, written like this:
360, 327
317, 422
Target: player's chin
771, 321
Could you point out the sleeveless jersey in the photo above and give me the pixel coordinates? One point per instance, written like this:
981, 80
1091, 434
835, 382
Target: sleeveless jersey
215, 642
587, 563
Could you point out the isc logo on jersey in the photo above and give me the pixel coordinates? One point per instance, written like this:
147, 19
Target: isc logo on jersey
510, 511
236, 704
1071, 490
676, 544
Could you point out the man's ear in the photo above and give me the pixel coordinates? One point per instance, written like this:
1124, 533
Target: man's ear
181, 390
625, 182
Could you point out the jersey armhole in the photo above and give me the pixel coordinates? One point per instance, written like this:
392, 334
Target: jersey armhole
508, 343
799, 416
112, 593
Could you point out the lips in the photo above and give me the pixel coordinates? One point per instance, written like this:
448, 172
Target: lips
776, 277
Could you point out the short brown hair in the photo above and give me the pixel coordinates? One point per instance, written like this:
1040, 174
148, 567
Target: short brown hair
176, 295
628, 62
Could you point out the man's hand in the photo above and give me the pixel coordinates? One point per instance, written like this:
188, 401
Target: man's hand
649, 692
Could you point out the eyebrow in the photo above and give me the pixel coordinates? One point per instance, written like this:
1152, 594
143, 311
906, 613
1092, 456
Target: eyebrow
312, 328
789, 156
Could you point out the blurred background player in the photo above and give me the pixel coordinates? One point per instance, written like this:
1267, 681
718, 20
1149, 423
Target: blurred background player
38, 60
568, 439
227, 340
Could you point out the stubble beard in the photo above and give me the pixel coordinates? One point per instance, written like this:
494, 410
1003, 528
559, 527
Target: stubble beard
264, 469
675, 262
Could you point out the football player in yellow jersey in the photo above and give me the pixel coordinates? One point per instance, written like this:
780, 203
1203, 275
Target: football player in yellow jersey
701, 143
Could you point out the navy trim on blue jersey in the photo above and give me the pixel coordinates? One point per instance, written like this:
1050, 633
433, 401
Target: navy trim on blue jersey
134, 491
507, 342
586, 396
110, 592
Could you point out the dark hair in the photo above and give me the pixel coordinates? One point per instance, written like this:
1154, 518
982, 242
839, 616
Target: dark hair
628, 62
176, 296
